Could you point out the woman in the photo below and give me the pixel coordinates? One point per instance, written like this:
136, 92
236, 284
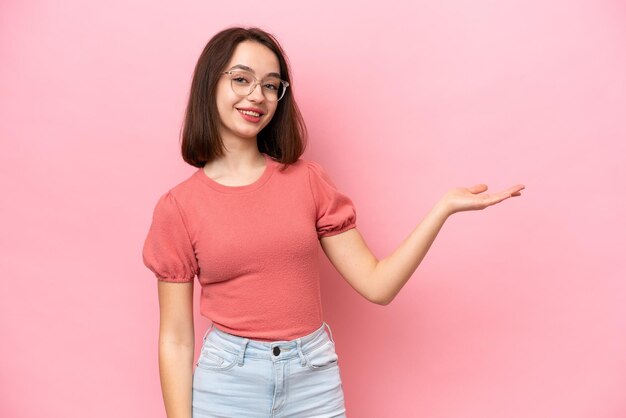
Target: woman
249, 223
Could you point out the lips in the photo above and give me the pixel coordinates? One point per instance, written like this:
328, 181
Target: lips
251, 111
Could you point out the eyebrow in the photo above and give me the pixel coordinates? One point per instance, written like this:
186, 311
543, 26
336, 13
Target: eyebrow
246, 68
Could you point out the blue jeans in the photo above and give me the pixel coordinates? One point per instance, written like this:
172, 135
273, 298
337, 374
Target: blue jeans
238, 377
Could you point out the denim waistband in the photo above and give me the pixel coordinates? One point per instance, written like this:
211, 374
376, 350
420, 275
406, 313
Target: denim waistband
241, 346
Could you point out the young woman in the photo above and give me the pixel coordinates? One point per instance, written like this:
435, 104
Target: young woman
249, 223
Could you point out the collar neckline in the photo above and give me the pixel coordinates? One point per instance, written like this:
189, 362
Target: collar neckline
267, 172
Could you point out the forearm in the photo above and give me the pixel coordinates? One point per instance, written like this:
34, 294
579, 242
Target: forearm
392, 272
176, 368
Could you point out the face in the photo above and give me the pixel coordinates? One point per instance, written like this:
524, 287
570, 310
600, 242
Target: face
231, 107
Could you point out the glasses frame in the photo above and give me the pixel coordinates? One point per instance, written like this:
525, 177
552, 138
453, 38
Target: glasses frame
257, 82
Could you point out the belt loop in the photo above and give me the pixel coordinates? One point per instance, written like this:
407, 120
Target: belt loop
207, 332
331, 332
299, 348
242, 351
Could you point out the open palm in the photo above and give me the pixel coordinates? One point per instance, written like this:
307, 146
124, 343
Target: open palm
473, 198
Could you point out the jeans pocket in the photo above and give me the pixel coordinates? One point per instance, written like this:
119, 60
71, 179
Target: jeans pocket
213, 357
322, 357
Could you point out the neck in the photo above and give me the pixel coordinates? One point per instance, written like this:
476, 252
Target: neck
240, 160
241, 155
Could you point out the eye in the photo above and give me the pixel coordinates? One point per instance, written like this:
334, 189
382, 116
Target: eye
240, 78
273, 85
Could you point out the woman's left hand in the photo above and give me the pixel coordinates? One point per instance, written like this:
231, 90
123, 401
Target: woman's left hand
473, 198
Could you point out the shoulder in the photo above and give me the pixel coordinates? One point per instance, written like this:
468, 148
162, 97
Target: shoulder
183, 192
317, 172
308, 166
301, 167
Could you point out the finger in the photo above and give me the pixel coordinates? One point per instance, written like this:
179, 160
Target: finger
478, 188
497, 198
516, 190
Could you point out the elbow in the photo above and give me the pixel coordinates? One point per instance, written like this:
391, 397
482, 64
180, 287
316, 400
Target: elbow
381, 303
381, 299
177, 335
379, 294
384, 302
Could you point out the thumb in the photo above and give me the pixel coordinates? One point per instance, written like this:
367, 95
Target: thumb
478, 188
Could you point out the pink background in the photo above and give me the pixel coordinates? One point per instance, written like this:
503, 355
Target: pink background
517, 311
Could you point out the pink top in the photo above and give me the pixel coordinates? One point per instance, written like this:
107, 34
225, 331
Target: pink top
254, 248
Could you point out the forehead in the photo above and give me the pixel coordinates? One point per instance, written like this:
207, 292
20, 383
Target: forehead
256, 56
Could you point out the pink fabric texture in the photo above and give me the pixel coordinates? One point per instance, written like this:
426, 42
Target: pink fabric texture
254, 248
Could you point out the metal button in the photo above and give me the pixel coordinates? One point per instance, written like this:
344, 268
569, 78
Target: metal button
276, 351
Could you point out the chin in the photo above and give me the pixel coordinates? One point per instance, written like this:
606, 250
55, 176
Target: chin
248, 134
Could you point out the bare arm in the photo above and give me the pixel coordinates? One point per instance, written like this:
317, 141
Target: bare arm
380, 281
176, 347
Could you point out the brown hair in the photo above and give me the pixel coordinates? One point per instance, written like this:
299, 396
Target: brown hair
285, 136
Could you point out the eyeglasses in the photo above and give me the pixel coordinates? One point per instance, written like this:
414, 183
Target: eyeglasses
243, 84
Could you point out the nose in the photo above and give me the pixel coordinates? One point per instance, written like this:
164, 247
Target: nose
257, 94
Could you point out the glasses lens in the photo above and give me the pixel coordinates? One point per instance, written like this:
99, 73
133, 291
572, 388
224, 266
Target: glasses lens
272, 88
241, 82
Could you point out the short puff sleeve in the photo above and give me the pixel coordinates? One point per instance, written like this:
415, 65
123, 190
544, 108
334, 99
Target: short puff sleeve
335, 210
168, 251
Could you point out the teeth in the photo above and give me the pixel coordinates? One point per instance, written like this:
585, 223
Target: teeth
250, 113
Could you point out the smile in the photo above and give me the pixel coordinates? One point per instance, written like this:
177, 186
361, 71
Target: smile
250, 113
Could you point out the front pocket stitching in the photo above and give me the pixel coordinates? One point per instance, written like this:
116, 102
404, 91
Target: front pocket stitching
214, 356
204, 366
320, 345
313, 367
326, 366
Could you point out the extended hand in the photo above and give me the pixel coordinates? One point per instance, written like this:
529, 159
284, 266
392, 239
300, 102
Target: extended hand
473, 198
